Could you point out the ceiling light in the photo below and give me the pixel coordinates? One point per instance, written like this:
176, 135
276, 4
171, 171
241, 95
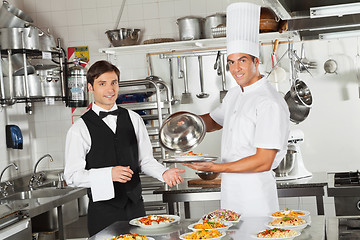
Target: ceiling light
335, 10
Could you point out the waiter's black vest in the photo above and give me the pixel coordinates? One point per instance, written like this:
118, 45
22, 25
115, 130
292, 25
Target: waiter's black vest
119, 149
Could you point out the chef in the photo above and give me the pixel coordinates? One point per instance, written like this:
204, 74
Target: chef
254, 119
105, 151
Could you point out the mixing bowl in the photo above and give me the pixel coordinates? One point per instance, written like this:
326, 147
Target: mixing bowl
287, 163
182, 131
207, 175
123, 36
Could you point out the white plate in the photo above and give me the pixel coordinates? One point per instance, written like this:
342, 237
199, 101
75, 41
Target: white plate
233, 222
307, 213
297, 228
149, 238
185, 159
287, 238
229, 224
135, 222
217, 238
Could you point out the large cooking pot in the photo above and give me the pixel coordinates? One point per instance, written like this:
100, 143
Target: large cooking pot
19, 90
46, 41
17, 63
212, 21
12, 17
50, 79
190, 27
19, 38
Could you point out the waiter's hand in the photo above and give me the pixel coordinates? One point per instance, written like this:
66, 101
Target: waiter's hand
121, 174
201, 166
172, 177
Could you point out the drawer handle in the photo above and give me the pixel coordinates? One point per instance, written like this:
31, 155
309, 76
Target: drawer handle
358, 205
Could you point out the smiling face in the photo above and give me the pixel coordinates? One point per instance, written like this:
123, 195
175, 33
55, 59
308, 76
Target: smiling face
243, 68
105, 89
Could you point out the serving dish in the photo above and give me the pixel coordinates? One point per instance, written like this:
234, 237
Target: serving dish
297, 228
306, 213
228, 225
135, 222
218, 215
282, 238
188, 159
118, 237
215, 238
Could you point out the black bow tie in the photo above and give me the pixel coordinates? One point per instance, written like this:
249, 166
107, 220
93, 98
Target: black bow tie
103, 114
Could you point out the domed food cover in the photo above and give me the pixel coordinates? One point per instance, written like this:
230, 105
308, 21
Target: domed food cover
182, 131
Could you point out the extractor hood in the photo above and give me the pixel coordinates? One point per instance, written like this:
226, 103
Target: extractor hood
319, 19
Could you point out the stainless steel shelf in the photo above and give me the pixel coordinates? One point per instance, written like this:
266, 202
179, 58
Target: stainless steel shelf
153, 131
144, 105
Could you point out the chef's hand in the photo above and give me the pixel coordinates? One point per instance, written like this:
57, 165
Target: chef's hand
202, 166
121, 174
172, 177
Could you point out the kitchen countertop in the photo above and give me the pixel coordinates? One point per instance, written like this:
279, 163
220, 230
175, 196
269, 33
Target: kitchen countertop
244, 230
316, 180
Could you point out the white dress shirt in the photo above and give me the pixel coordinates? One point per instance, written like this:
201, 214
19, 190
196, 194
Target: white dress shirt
78, 144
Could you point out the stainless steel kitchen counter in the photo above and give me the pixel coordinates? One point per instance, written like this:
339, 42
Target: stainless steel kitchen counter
311, 186
243, 230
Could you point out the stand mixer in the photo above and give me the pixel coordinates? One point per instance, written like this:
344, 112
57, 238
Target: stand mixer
298, 171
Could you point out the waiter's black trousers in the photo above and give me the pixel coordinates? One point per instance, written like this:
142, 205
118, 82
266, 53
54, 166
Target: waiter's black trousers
101, 215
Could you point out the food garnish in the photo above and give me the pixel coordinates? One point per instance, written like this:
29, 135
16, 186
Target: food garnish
191, 153
134, 236
222, 215
276, 233
154, 220
203, 234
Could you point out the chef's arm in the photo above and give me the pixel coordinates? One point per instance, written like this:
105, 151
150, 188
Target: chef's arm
210, 124
261, 161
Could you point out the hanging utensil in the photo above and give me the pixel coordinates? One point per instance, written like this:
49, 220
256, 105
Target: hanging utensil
330, 66
223, 78
119, 14
186, 97
173, 100
202, 94
303, 64
179, 67
357, 64
277, 74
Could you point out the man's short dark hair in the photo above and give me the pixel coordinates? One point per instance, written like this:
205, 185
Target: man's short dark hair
99, 68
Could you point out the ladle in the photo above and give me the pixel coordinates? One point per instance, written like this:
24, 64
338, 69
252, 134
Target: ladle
119, 15
202, 94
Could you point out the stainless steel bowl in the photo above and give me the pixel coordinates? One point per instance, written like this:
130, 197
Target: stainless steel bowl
287, 163
207, 175
123, 36
182, 131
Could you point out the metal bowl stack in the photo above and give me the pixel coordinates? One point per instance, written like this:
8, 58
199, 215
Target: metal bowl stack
123, 37
182, 131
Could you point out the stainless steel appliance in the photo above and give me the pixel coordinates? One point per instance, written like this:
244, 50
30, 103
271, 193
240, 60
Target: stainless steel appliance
13, 224
345, 188
296, 137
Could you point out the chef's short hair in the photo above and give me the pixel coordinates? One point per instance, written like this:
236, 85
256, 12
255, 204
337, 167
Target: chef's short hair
99, 68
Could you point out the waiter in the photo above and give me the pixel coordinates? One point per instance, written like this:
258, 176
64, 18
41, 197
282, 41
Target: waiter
254, 119
105, 151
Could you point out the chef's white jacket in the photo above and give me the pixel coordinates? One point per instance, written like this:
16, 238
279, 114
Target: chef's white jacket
78, 144
257, 117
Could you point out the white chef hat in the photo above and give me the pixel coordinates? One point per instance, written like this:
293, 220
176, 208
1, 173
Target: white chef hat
242, 28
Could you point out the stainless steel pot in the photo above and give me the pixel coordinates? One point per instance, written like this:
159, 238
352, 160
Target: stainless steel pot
17, 64
123, 36
190, 28
46, 42
213, 21
19, 90
19, 38
12, 17
50, 79
298, 111
301, 93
